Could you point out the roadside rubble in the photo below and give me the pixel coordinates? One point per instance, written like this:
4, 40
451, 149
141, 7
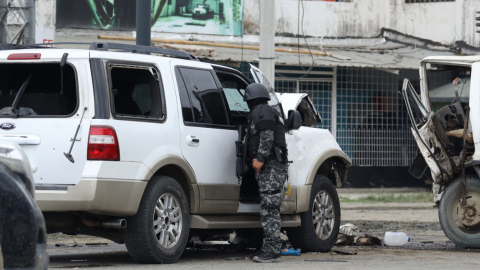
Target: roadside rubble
346, 237
368, 240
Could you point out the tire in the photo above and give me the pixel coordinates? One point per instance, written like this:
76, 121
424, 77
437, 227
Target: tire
141, 240
305, 236
452, 223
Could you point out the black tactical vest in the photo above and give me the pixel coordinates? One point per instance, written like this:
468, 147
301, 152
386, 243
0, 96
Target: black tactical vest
262, 117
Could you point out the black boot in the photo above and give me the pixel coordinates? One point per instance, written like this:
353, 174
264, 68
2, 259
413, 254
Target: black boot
256, 254
267, 258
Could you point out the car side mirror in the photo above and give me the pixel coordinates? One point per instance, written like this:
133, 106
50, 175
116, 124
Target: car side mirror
294, 121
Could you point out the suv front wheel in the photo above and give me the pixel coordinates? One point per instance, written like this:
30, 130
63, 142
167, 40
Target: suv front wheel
320, 224
158, 233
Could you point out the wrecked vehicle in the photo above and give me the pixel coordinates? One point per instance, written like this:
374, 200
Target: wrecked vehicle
445, 118
138, 145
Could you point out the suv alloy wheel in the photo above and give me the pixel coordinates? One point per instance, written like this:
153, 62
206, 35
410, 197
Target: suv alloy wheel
158, 233
321, 223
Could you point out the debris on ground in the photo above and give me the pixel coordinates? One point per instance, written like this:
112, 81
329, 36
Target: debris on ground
290, 251
368, 240
347, 229
344, 239
345, 236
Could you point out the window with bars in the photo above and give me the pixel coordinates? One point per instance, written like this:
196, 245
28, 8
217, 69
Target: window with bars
372, 124
320, 92
426, 1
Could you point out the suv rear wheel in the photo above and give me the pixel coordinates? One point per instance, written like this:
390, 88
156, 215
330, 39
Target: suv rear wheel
158, 233
320, 224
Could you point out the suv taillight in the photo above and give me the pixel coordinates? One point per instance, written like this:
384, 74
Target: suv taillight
103, 144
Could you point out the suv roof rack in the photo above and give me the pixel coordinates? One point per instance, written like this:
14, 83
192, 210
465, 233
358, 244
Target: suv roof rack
106, 46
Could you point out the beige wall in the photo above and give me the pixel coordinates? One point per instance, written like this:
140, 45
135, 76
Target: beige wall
444, 22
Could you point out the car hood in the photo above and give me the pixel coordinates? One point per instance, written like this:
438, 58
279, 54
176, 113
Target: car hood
290, 101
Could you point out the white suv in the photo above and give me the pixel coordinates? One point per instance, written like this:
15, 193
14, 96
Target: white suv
140, 148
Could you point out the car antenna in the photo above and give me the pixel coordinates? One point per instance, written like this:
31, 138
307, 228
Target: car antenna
69, 154
62, 63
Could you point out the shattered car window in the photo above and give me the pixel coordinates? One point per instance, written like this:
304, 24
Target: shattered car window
445, 83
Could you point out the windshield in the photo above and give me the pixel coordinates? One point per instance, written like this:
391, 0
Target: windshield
445, 82
274, 101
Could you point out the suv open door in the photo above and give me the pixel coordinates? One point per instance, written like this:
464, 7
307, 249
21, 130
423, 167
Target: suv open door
429, 144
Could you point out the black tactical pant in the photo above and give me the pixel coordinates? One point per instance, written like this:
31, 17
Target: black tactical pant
270, 181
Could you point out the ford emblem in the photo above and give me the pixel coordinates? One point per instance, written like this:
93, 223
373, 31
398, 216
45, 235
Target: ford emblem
7, 126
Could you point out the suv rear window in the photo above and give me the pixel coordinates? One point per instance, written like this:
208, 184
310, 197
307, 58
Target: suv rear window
46, 94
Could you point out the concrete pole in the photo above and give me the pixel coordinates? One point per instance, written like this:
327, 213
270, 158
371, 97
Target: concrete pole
29, 12
267, 39
144, 18
3, 28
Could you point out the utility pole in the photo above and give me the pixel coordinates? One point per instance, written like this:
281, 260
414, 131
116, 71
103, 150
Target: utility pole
144, 19
3, 21
29, 12
267, 39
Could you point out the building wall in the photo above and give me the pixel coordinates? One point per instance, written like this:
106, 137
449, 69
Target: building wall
444, 22
330, 19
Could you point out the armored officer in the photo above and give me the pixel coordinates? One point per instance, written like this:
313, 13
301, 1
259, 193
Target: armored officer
267, 150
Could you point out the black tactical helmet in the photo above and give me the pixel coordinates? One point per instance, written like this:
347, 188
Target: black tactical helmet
256, 91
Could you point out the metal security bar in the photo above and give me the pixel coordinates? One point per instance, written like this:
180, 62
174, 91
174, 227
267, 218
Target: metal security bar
368, 112
318, 83
320, 93
378, 147
372, 124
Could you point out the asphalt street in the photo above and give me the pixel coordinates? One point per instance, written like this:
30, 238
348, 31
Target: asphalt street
429, 247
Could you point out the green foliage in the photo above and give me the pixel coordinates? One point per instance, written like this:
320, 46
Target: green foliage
418, 197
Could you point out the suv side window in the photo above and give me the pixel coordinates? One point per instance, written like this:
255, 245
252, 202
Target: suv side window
135, 92
184, 99
206, 100
234, 89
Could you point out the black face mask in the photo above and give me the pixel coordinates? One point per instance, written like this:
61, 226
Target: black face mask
252, 103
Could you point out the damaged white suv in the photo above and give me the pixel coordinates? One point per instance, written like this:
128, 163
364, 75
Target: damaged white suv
140, 148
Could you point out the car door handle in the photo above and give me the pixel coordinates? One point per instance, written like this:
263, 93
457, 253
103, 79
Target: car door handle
193, 141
